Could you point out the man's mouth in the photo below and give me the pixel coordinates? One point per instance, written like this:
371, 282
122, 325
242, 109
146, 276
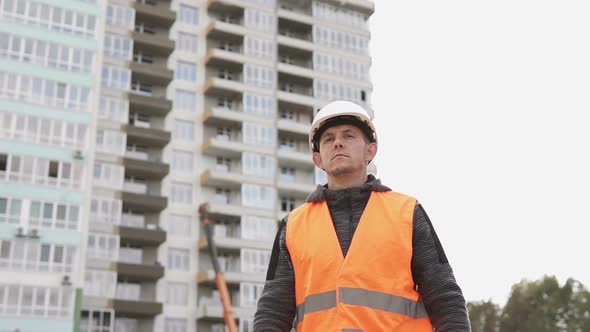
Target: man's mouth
339, 155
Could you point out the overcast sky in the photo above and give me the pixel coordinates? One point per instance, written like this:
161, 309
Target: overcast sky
483, 113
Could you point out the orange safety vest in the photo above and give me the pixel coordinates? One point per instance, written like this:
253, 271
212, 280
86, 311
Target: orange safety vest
372, 289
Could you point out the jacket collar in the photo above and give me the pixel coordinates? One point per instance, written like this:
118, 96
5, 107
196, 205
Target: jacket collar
372, 184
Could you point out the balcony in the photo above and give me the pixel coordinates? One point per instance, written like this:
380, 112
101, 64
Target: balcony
299, 15
299, 189
210, 311
232, 277
219, 116
235, 243
294, 157
231, 28
156, 42
220, 86
217, 56
130, 255
147, 136
136, 309
134, 272
150, 105
231, 180
135, 236
232, 206
231, 147
143, 201
155, 11
151, 73
297, 98
293, 69
365, 6
293, 126
145, 168
290, 40
133, 220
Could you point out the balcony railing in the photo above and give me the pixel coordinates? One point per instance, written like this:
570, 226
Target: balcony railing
131, 255
128, 292
132, 220
137, 155
135, 187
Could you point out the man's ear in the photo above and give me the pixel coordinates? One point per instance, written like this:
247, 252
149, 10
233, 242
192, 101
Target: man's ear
371, 151
317, 159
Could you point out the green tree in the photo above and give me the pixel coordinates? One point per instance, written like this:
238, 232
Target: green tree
544, 306
484, 316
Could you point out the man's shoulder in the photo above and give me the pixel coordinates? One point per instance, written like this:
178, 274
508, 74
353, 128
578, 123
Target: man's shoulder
395, 195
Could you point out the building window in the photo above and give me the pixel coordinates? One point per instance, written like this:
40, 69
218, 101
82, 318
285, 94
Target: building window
128, 291
104, 246
10, 209
97, 320
118, 46
258, 228
54, 215
116, 78
36, 301
254, 260
321, 177
188, 14
186, 71
179, 225
100, 283
258, 134
181, 193
175, 325
184, 130
120, 16
259, 20
113, 109
259, 48
126, 325
44, 92
56, 19
185, 101
259, 76
29, 50
111, 141
258, 164
109, 175
105, 210
287, 204
249, 294
182, 161
21, 255
258, 196
259, 105
178, 259
177, 293
287, 174
187, 42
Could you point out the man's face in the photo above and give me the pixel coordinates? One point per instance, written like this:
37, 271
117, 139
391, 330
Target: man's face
344, 149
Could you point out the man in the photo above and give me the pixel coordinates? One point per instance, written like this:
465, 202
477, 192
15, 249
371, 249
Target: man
357, 256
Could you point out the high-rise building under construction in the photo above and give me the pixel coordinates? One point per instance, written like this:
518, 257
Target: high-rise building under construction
119, 117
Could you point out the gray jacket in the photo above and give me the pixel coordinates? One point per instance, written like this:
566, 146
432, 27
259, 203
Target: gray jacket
431, 270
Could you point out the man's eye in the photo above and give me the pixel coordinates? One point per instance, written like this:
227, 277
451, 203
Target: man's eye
327, 140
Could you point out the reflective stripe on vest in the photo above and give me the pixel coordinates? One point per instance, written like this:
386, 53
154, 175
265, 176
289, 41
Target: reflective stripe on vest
361, 297
372, 288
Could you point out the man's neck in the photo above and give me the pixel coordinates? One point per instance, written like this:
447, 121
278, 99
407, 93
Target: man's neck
345, 182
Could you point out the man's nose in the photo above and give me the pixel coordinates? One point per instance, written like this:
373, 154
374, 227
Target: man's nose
338, 142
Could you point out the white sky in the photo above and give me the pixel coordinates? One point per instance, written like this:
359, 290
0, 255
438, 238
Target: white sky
482, 114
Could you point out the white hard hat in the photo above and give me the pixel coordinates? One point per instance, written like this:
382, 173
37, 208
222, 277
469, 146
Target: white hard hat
349, 113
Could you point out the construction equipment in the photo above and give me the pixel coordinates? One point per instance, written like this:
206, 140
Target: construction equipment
228, 315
